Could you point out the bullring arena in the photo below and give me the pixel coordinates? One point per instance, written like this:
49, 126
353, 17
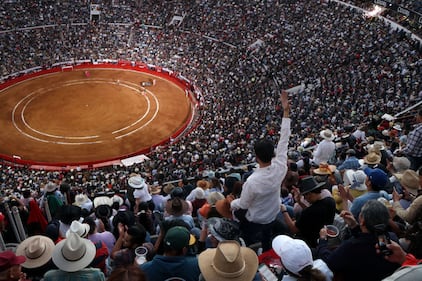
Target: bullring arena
219, 69
91, 114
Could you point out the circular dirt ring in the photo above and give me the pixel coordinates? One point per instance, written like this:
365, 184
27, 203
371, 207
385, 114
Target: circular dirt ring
89, 115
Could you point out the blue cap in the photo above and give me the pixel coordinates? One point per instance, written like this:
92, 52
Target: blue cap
377, 177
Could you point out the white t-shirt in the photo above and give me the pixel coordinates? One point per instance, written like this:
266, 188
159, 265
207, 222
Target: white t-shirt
142, 194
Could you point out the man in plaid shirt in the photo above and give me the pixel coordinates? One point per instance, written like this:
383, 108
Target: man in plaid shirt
413, 149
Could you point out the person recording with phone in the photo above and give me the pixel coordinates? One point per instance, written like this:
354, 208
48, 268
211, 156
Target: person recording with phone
410, 181
356, 258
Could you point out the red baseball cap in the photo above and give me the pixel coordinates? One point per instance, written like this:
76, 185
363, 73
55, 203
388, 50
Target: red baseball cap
9, 259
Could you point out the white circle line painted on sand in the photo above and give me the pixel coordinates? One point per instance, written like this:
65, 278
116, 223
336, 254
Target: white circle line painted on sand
147, 123
76, 82
45, 134
146, 112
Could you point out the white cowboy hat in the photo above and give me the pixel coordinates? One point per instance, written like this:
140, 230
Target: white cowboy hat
80, 199
81, 229
229, 261
137, 182
327, 134
73, 253
36, 249
356, 179
102, 200
118, 199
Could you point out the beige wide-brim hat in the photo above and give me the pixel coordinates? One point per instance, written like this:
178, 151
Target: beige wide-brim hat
73, 253
327, 134
155, 189
229, 261
409, 180
168, 188
372, 158
36, 249
325, 169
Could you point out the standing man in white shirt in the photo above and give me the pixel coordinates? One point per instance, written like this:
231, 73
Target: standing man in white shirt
260, 196
326, 149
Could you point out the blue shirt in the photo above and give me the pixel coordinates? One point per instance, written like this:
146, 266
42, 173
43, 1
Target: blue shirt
351, 163
165, 267
361, 200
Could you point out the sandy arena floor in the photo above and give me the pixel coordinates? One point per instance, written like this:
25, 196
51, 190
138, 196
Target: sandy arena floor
67, 117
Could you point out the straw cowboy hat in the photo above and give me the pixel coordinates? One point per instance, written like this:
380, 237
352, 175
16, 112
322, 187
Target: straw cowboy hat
229, 261
377, 146
36, 249
327, 134
73, 253
137, 182
372, 158
168, 188
409, 180
177, 207
325, 169
155, 189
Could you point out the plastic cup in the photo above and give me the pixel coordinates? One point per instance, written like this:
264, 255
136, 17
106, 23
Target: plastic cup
141, 254
332, 231
333, 236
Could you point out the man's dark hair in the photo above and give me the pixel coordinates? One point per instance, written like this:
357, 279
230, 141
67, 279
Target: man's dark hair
264, 150
92, 225
185, 181
138, 233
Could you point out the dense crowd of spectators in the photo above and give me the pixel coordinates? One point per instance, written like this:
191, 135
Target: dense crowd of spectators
329, 48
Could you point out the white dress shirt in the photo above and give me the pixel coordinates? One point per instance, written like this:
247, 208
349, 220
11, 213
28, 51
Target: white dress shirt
261, 191
324, 151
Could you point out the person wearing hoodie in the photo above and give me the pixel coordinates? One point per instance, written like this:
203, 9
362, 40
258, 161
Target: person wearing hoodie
175, 263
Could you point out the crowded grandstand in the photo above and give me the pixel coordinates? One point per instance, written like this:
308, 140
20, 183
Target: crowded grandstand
352, 78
